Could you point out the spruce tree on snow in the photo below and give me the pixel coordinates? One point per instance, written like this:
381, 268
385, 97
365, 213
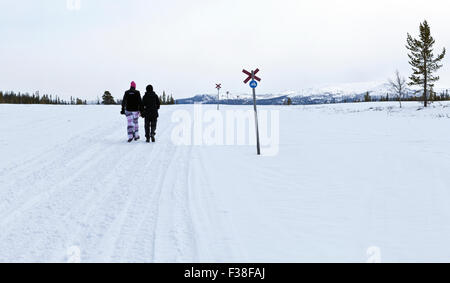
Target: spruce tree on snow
288, 101
163, 100
108, 99
423, 61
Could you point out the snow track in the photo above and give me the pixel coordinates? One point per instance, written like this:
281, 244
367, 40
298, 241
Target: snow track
117, 202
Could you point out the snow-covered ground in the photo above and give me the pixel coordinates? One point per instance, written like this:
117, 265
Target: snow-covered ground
350, 183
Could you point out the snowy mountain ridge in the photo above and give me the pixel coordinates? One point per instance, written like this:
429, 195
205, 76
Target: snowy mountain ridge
329, 94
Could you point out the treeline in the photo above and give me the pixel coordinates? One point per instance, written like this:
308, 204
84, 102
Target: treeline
36, 98
167, 100
108, 99
432, 96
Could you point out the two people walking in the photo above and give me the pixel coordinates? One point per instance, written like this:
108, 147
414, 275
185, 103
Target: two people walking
147, 107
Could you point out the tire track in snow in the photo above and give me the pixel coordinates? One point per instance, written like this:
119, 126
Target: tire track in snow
59, 196
43, 190
44, 213
183, 236
173, 233
117, 204
86, 211
212, 224
105, 214
134, 243
143, 240
28, 184
68, 150
122, 232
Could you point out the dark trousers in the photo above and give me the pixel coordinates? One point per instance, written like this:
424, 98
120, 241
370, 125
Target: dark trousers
150, 126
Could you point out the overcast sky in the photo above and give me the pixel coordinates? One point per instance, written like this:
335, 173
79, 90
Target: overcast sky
185, 46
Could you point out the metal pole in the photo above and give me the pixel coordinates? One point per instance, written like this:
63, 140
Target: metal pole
218, 98
256, 117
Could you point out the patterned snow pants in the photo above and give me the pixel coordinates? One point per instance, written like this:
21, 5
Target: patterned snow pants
133, 124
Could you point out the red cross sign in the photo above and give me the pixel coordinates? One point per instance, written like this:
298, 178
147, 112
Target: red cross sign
218, 86
249, 74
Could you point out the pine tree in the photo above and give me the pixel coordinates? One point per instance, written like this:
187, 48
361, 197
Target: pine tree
108, 99
289, 101
423, 61
367, 97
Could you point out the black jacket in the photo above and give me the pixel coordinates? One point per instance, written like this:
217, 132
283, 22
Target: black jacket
150, 105
132, 101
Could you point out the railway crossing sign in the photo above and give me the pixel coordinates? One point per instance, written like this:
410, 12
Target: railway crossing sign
218, 86
251, 76
253, 79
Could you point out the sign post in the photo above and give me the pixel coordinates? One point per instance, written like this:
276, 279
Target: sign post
253, 79
218, 86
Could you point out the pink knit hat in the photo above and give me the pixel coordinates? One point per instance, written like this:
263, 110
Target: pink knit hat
133, 84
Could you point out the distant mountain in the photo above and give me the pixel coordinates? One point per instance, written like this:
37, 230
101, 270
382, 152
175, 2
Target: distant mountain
335, 94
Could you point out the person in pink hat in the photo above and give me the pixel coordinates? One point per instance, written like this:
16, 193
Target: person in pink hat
131, 107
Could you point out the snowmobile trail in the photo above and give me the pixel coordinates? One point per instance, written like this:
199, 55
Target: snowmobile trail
116, 203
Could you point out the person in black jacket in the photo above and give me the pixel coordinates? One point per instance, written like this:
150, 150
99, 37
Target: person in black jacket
131, 106
150, 107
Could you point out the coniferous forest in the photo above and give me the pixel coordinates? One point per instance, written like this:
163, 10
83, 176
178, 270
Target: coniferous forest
36, 98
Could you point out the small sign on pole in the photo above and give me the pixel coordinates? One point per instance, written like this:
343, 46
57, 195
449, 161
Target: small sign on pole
218, 86
253, 79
